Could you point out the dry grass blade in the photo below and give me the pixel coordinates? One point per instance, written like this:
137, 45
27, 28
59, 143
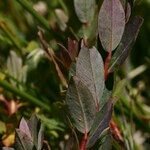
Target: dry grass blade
50, 55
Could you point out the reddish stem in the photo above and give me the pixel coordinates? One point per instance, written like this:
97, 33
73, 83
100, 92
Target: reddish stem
84, 142
106, 65
115, 131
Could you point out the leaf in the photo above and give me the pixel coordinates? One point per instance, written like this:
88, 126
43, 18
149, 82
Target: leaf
61, 18
36, 131
7, 148
106, 142
40, 138
80, 102
22, 141
14, 66
72, 48
69, 54
2, 127
32, 132
100, 123
128, 39
23, 126
128, 11
106, 96
72, 70
85, 10
64, 56
32, 45
34, 57
52, 124
111, 24
90, 70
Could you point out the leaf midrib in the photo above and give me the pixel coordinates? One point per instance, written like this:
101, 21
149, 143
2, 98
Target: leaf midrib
82, 108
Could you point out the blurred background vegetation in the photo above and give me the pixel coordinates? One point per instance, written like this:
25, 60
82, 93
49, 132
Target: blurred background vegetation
30, 82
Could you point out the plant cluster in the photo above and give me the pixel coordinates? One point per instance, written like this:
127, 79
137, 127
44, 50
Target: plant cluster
75, 90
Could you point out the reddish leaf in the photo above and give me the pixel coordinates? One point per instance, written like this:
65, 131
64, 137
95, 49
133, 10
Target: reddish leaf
65, 57
22, 141
72, 48
80, 102
128, 39
23, 126
36, 130
100, 123
90, 70
128, 12
111, 24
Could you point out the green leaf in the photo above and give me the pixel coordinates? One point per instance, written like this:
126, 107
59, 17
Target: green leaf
90, 70
34, 58
61, 18
100, 123
2, 127
51, 123
14, 66
22, 141
85, 10
106, 142
131, 32
80, 102
32, 45
111, 24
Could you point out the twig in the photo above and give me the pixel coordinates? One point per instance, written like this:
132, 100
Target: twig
106, 65
50, 55
84, 141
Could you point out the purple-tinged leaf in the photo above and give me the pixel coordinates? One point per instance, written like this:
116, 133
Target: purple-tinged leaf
128, 12
80, 102
40, 138
128, 39
123, 2
111, 24
69, 54
85, 10
65, 57
90, 70
22, 141
100, 123
23, 126
36, 131
72, 48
